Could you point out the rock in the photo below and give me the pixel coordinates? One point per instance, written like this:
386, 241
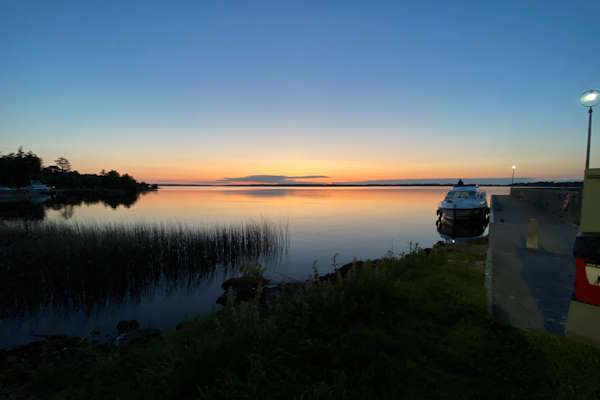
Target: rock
242, 293
343, 270
51, 338
135, 336
271, 293
49, 347
222, 299
127, 326
242, 289
243, 282
96, 339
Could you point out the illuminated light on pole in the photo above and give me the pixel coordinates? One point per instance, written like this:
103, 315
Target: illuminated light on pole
589, 98
513, 175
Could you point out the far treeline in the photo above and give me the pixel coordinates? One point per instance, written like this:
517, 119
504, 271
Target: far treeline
20, 168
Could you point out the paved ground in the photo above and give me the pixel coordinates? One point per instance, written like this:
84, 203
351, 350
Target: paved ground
529, 288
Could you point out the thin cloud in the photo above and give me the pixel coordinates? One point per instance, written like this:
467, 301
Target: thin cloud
274, 179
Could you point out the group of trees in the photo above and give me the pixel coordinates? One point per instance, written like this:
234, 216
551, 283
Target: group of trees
18, 169
74, 180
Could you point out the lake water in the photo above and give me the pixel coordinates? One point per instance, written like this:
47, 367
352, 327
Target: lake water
350, 222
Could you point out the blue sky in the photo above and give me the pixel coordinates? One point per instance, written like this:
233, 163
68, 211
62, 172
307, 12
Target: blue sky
196, 91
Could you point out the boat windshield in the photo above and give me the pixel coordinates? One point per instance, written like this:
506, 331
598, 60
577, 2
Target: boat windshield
460, 195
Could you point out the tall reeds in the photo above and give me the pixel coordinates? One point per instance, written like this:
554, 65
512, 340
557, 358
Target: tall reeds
74, 266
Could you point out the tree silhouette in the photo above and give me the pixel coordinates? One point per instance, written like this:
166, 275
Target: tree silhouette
17, 169
63, 164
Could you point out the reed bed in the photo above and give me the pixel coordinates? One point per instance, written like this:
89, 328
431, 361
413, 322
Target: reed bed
75, 266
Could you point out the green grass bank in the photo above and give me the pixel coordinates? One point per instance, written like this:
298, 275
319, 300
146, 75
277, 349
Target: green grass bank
410, 327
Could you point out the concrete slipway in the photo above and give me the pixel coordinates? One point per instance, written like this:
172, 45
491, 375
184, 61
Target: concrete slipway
527, 287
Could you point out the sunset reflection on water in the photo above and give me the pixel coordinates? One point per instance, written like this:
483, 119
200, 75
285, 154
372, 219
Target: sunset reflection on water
349, 222
352, 221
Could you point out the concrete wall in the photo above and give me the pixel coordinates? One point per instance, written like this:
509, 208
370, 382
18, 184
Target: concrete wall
590, 210
564, 202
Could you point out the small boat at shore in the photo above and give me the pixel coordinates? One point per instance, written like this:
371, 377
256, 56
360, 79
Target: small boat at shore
35, 191
463, 204
38, 187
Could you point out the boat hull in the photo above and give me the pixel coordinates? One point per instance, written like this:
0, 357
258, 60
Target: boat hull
456, 215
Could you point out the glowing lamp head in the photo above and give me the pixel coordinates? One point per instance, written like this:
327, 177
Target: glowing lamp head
514, 167
590, 98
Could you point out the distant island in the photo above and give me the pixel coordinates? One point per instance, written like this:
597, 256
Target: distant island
20, 169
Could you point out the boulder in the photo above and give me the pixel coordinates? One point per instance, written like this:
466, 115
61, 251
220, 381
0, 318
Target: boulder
242, 288
127, 326
243, 282
135, 336
343, 270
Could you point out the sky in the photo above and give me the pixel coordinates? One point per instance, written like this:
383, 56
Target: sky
301, 91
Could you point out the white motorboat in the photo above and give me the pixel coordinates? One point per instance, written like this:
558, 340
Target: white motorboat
464, 204
38, 187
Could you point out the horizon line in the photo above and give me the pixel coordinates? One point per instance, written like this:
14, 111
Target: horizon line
368, 182
562, 183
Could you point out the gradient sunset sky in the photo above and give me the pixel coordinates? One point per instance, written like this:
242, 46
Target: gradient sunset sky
325, 91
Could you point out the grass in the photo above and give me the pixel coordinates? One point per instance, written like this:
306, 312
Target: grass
86, 266
411, 327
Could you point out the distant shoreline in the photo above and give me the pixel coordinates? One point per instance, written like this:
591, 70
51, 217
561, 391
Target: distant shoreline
304, 185
293, 185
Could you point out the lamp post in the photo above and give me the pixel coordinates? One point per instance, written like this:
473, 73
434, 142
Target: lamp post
512, 181
589, 98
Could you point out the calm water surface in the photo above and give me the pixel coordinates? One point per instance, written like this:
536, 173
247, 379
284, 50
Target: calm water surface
350, 222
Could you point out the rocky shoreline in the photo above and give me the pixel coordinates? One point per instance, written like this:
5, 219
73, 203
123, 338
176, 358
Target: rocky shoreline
240, 289
236, 290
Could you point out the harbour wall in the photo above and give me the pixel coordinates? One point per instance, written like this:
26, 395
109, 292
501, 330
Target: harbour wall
563, 202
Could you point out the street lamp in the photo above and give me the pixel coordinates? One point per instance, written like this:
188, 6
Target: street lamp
513, 176
589, 98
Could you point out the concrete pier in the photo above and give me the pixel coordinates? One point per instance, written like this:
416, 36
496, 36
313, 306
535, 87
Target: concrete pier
531, 286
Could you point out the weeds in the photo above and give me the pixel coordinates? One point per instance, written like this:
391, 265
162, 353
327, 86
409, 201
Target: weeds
253, 271
82, 266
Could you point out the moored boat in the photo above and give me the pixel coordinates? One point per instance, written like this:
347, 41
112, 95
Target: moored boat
38, 187
463, 204
35, 191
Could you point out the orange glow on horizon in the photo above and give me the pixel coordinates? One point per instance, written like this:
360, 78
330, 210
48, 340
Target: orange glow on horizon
350, 206
343, 167
192, 176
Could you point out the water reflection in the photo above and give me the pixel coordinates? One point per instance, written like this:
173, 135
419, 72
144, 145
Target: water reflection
463, 230
64, 203
52, 291
112, 200
88, 268
276, 192
22, 211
